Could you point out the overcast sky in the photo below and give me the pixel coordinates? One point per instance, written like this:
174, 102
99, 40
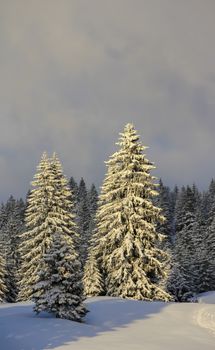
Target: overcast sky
73, 73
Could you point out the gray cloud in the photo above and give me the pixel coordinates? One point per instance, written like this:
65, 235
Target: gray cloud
74, 72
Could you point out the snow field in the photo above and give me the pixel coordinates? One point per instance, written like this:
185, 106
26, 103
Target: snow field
111, 324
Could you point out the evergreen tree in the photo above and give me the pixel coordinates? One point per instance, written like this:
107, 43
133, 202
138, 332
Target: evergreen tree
36, 239
164, 201
173, 200
125, 240
209, 204
59, 288
92, 280
182, 279
74, 189
201, 259
93, 205
3, 288
6, 211
186, 203
49, 212
2, 235
209, 258
83, 220
11, 227
93, 200
177, 284
189, 244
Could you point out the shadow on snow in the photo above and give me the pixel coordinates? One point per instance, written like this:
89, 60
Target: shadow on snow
21, 329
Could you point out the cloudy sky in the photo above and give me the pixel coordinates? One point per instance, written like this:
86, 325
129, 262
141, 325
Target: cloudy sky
73, 72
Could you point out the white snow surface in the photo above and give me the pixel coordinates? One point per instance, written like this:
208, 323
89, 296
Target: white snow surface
206, 298
111, 324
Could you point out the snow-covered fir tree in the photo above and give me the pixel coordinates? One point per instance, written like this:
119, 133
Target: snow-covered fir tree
2, 236
92, 280
201, 258
59, 288
49, 212
208, 207
93, 200
74, 190
93, 205
36, 239
177, 284
83, 220
125, 239
209, 263
3, 288
185, 202
164, 201
184, 260
189, 244
11, 227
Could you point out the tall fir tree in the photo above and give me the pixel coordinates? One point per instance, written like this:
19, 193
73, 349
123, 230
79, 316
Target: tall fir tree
92, 279
36, 239
165, 202
184, 262
189, 244
93, 200
125, 239
209, 204
93, 205
83, 220
74, 189
3, 288
11, 227
49, 212
178, 285
209, 258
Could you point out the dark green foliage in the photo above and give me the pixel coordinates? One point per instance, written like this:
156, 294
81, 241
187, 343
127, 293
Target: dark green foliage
12, 225
83, 220
59, 288
165, 201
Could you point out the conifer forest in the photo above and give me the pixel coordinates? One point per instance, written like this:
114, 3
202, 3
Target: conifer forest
134, 238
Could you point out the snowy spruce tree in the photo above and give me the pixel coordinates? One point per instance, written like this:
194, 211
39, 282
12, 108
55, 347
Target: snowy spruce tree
177, 284
165, 202
209, 258
11, 227
125, 239
3, 288
92, 280
37, 237
83, 220
209, 204
188, 246
74, 190
59, 288
93, 205
49, 212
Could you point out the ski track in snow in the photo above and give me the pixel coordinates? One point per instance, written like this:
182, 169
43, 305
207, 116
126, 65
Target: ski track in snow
205, 319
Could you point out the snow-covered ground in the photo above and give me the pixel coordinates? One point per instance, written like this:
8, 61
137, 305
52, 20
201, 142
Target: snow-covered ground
206, 298
113, 324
